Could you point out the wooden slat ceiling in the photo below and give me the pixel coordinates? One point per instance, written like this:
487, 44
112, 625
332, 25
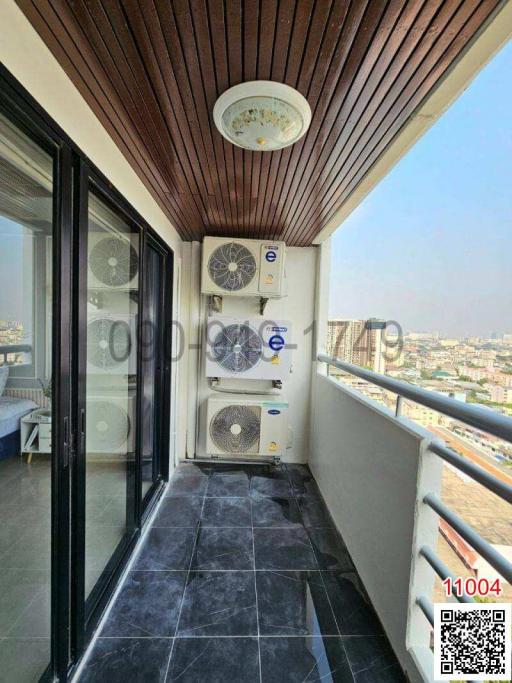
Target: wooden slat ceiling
152, 70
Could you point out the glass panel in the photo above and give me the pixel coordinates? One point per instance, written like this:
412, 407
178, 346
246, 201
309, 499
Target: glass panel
151, 352
26, 189
112, 305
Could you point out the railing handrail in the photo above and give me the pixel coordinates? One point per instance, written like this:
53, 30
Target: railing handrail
15, 348
476, 416
475, 540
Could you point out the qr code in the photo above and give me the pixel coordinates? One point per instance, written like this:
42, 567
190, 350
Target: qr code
472, 641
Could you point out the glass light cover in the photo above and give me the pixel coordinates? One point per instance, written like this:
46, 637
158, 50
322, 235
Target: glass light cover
262, 123
262, 115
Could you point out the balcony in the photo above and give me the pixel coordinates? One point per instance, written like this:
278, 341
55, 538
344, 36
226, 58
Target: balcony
309, 551
286, 573
242, 576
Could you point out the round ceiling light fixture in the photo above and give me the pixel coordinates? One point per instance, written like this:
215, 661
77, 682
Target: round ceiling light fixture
262, 115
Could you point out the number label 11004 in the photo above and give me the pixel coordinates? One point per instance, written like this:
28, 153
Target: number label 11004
470, 586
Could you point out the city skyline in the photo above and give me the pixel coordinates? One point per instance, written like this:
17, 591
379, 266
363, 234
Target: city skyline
430, 246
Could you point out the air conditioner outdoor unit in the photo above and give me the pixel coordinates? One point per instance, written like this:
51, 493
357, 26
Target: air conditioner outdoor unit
246, 426
253, 348
110, 424
233, 267
111, 344
113, 261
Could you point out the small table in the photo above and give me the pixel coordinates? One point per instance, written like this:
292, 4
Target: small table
36, 432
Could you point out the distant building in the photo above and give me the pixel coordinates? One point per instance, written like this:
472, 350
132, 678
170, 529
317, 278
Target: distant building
499, 394
357, 341
423, 336
449, 343
476, 374
420, 414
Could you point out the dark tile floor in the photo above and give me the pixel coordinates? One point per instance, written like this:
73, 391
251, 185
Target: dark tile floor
242, 578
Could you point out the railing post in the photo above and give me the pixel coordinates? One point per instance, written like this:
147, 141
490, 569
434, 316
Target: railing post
398, 409
422, 577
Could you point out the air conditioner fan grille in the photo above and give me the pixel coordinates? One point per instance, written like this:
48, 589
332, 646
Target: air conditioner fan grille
113, 261
232, 266
108, 426
235, 429
108, 342
237, 348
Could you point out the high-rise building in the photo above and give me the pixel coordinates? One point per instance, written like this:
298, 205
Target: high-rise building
357, 341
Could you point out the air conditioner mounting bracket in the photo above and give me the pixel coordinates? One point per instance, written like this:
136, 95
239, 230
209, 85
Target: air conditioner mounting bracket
263, 304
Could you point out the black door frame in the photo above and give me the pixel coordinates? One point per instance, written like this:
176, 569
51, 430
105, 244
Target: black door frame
71, 625
164, 332
87, 612
90, 182
15, 105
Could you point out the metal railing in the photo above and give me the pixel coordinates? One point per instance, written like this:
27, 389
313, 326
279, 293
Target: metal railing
7, 349
16, 348
475, 416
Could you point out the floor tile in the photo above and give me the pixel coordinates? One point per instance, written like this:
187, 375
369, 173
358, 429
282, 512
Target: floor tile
166, 549
302, 481
10, 532
187, 485
271, 482
219, 604
226, 512
114, 512
34, 514
293, 604
295, 660
330, 550
25, 554
283, 549
214, 660
301, 609
18, 591
224, 549
230, 483
23, 659
148, 605
179, 511
354, 613
372, 660
275, 512
314, 512
190, 469
119, 660
35, 621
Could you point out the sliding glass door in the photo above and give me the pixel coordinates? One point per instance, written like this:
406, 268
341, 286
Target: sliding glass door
109, 382
26, 446
85, 310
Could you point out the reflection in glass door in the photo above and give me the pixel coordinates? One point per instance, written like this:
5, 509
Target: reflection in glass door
26, 448
110, 388
152, 353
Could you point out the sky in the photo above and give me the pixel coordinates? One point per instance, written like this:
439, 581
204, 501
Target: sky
431, 245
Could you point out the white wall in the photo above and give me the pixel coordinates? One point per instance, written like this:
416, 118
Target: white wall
366, 463
26, 56
298, 307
